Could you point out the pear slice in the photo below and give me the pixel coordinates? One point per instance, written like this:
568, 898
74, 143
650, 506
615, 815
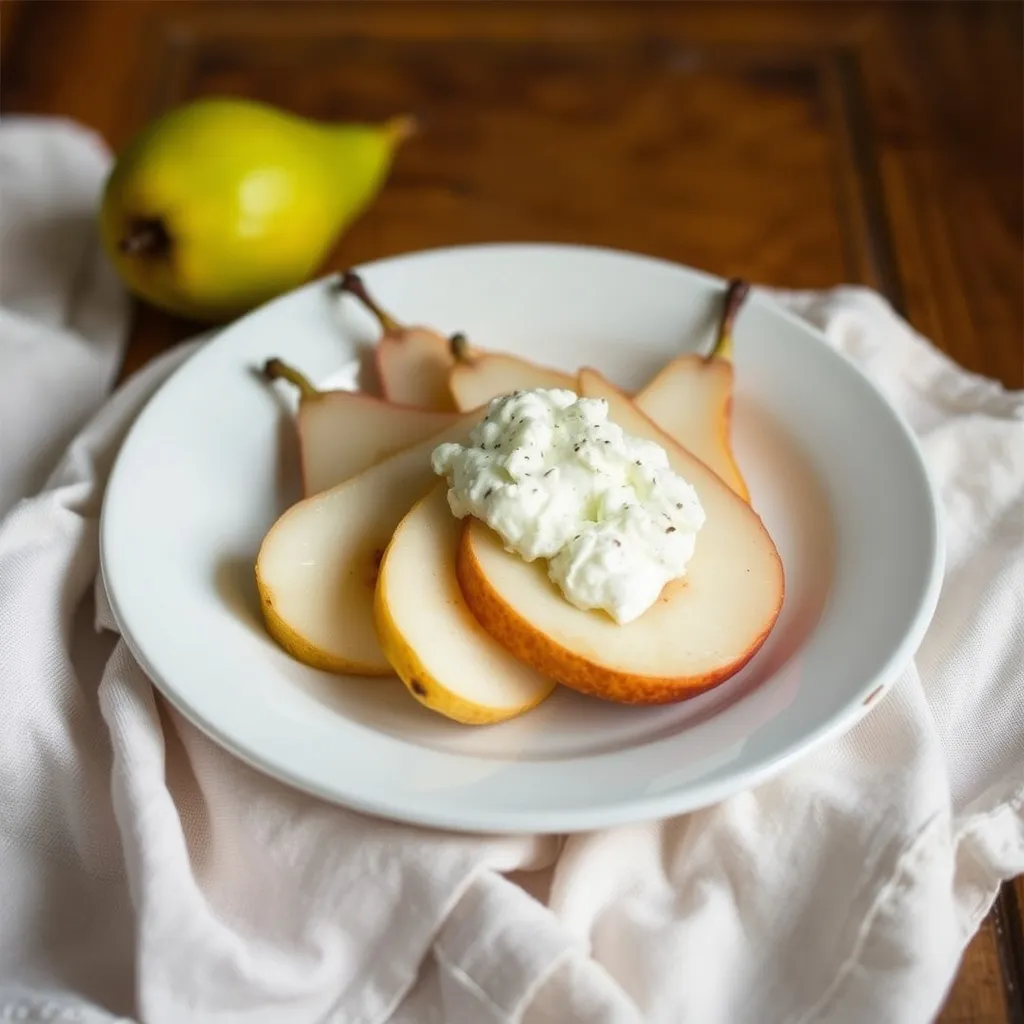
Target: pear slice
478, 376
704, 628
441, 653
691, 398
341, 433
317, 567
413, 362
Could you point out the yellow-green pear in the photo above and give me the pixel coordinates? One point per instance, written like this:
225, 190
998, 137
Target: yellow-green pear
223, 203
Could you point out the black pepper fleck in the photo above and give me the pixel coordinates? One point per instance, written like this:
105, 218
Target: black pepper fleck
549, 472
671, 529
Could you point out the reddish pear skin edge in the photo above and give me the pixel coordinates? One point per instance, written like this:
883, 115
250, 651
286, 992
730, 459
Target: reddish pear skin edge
549, 658
543, 655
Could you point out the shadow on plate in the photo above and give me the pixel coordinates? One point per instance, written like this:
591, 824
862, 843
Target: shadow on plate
234, 577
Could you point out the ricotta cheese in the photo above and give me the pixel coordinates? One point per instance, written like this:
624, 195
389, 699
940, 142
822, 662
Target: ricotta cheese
556, 479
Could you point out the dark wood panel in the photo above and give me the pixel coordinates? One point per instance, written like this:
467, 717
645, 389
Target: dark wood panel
1008, 928
642, 146
977, 996
920, 149
799, 144
10, 11
946, 97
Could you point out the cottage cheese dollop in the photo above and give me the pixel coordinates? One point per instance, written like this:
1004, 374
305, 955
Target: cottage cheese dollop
557, 480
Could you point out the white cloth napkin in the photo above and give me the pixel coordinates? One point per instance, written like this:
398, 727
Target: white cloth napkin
147, 876
62, 310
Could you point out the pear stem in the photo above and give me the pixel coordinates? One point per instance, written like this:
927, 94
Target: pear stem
146, 237
352, 283
735, 295
278, 369
402, 127
458, 345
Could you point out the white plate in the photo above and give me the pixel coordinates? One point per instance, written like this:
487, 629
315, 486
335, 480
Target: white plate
835, 474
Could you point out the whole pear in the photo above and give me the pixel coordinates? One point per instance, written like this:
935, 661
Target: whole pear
222, 203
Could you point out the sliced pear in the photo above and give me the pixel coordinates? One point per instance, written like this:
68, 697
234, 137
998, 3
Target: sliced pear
441, 653
478, 376
413, 362
691, 398
704, 628
317, 567
341, 433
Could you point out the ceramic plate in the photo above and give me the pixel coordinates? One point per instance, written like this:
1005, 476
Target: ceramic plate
834, 473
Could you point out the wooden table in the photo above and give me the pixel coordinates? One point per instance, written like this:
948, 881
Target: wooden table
799, 145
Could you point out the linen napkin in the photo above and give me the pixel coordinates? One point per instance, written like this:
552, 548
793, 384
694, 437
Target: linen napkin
62, 309
147, 876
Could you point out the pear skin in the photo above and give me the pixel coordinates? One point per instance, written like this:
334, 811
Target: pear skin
223, 203
317, 567
413, 362
703, 629
691, 397
442, 654
478, 376
341, 433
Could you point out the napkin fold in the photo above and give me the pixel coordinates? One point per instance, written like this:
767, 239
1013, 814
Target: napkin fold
146, 875
63, 313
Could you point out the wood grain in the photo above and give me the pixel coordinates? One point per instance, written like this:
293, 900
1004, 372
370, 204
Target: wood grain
801, 145
10, 11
